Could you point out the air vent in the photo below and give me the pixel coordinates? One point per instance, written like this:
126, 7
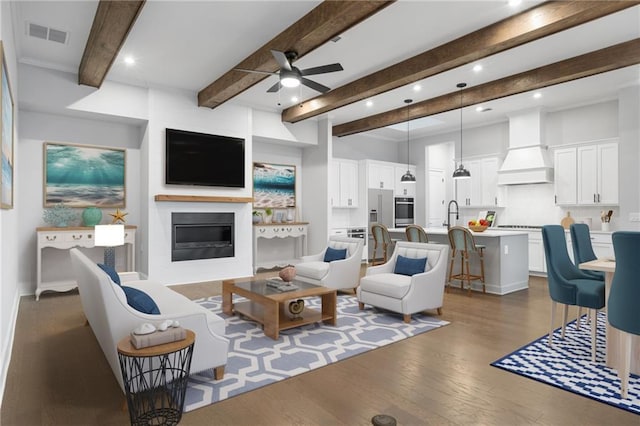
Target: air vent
46, 33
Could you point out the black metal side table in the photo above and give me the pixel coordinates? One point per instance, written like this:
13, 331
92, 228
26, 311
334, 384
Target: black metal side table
155, 380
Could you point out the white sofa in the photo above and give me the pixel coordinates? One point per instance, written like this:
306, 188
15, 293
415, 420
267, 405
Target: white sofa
111, 318
339, 274
405, 294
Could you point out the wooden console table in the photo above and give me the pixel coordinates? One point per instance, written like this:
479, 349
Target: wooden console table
280, 230
66, 239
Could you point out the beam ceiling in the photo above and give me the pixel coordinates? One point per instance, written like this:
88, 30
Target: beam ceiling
535, 23
603, 60
326, 21
111, 26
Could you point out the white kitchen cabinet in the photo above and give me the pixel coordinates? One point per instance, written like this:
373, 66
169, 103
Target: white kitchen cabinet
381, 175
344, 183
587, 174
565, 179
536, 253
481, 190
598, 174
403, 189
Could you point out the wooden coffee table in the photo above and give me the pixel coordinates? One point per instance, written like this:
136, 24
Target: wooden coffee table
269, 306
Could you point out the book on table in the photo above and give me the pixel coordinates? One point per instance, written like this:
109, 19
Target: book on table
281, 285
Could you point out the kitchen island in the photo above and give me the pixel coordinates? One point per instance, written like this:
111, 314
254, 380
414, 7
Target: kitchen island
506, 258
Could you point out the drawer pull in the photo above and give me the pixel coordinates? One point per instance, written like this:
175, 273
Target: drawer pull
77, 237
51, 237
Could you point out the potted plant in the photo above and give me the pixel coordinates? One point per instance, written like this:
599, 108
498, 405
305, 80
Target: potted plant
268, 214
257, 216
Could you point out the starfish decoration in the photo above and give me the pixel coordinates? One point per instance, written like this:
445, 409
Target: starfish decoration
118, 216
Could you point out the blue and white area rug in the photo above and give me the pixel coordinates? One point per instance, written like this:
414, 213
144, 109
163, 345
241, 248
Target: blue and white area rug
568, 366
256, 360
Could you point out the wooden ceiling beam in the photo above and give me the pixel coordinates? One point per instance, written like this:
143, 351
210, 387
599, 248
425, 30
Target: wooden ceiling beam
532, 24
328, 20
603, 60
111, 25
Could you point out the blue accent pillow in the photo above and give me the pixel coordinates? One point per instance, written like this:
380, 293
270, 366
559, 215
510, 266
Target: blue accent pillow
111, 272
140, 301
334, 254
409, 266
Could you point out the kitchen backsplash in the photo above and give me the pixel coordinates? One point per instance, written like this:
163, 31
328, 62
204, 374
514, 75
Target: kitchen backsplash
534, 205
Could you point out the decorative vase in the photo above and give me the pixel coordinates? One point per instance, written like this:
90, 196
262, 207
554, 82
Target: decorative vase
91, 216
287, 274
290, 216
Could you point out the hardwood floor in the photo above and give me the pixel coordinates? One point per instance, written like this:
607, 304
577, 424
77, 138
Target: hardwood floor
58, 374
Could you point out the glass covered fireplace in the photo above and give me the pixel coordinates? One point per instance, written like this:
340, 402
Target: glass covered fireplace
202, 236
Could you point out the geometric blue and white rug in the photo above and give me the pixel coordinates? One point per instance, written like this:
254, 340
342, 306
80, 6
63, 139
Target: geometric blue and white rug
568, 366
256, 360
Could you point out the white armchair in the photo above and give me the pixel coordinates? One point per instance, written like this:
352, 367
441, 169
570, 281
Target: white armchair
406, 294
338, 274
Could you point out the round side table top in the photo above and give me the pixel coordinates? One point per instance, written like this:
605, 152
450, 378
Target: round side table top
125, 346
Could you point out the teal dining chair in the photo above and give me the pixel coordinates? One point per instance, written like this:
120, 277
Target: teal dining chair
569, 285
622, 307
582, 248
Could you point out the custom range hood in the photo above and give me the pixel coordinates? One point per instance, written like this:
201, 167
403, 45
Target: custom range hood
527, 159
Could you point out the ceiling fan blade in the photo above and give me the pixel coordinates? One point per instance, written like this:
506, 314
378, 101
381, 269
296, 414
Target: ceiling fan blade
274, 88
256, 71
282, 60
322, 69
315, 86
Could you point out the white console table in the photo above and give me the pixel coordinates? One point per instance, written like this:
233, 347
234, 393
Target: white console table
66, 239
296, 230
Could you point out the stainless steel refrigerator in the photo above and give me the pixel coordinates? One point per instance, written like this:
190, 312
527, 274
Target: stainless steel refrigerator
380, 203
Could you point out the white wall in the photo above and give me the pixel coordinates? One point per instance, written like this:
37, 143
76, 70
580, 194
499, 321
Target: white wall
178, 110
359, 147
37, 128
9, 218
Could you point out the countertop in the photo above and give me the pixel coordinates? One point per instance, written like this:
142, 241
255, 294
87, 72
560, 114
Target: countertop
493, 232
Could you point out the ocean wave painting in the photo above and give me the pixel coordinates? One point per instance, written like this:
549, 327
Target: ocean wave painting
274, 185
82, 176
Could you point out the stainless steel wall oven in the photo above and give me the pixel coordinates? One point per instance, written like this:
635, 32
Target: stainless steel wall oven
404, 210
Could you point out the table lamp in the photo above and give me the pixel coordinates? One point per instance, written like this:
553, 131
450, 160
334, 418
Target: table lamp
109, 237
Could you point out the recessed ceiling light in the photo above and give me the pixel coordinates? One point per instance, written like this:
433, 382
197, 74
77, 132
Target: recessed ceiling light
417, 88
369, 103
514, 3
129, 60
537, 95
479, 108
294, 99
477, 68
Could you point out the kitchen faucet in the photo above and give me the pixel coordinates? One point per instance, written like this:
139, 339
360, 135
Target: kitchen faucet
449, 213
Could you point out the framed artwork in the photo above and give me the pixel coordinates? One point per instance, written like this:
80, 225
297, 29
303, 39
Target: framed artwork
83, 175
6, 133
274, 185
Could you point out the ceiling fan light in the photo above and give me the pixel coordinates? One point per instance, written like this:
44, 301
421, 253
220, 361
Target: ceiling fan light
408, 178
461, 173
289, 79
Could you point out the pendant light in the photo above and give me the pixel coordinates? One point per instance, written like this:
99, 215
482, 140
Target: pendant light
461, 172
408, 177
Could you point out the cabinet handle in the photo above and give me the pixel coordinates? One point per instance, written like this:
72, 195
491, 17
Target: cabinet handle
555, 199
77, 237
495, 199
262, 229
51, 237
289, 229
594, 198
381, 185
598, 197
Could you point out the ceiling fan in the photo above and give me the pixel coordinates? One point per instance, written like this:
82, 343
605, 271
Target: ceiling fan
291, 76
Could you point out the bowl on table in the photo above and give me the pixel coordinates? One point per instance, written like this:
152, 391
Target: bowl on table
478, 228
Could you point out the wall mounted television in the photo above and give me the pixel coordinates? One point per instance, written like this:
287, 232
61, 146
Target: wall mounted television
202, 159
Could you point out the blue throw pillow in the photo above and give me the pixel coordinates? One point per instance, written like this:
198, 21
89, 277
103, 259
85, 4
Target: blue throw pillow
409, 266
334, 254
140, 301
111, 272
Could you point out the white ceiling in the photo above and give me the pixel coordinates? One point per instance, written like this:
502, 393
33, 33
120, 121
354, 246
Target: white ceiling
189, 44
